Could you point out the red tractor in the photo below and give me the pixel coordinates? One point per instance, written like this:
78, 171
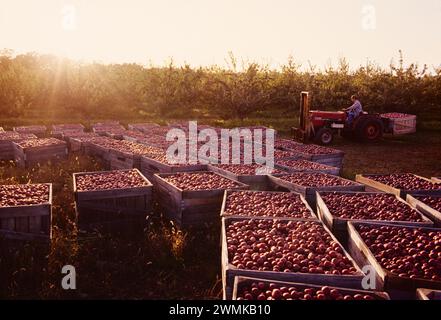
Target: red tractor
321, 126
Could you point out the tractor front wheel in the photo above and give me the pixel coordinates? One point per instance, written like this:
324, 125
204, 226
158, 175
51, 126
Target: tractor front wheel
324, 136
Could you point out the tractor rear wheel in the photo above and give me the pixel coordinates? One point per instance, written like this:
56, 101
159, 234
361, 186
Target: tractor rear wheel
369, 130
324, 136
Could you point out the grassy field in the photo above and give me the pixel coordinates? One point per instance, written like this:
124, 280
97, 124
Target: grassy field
159, 261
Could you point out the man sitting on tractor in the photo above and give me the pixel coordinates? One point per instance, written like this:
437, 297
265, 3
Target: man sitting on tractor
354, 110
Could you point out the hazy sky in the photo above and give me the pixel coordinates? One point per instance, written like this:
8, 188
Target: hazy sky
202, 32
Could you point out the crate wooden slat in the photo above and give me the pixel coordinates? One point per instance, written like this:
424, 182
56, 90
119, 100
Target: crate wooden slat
229, 272
385, 280
430, 212
190, 207
27, 222
112, 205
428, 294
39, 131
224, 204
339, 227
240, 282
328, 170
29, 156
436, 179
365, 179
310, 192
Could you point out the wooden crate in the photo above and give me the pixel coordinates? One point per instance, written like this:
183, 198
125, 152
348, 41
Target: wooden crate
114, 206
189, 207
27, 157
39, 131
124, 160
339, 226
365, 179
224, 203
27, 222
240, 282
6, 140
436, 179
60, 130
428, 294
430, 212
310, 192
229, 272
328, 170
402, 125
398, 287
334, 159
149, 167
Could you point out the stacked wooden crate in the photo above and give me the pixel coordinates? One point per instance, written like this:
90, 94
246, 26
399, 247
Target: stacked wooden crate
111, 198
26, 211
324, 155
6, 140
237, 231
400, 184
376, 244
254, 204
38, 151
193, 198
126, 154
428, 205
307, 184
75, 140
60, 130
39, 131
336, 209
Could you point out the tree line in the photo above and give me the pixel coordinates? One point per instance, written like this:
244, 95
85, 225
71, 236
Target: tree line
48, 85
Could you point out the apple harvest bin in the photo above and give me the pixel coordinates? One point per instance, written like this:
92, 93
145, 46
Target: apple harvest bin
190, 207
27, 222
229, 271
241, 282
403, 287
227, 193
426, 209
310, 193
6, 143
39, 131
29, 156
112, 206
366, 179
339, 226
